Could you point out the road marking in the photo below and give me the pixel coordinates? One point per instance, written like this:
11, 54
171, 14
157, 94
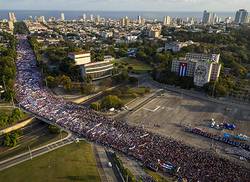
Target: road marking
151, 109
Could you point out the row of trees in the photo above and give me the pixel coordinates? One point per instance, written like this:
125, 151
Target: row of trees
11, 139
7, 65
8, 119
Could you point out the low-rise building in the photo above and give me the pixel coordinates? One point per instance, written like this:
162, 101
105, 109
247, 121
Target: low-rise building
98, 70
80, 58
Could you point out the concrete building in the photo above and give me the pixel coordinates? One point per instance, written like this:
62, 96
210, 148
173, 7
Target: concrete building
209, 18
62, 17
11, 25
202, 67
12, 17
41, 19
91, 18
167, 21
241, 16
139, 20
80, 58
96, 70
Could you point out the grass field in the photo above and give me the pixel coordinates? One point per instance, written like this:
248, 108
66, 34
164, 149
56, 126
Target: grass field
74, 162
138, 66
157, 177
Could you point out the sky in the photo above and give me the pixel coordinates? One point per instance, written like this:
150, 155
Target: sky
127, 5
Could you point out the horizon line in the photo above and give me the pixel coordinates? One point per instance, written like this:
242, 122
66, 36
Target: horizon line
117, 10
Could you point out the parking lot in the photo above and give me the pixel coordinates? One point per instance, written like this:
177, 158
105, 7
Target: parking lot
168, 113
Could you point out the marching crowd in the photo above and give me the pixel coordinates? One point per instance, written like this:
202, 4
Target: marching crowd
149, 148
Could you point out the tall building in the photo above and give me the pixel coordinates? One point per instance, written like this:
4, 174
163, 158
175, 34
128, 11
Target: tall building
209, 18
241, 16
62, 17
167, 20
98, 19
139, 20
84, 17
125, 21
202, 67
12, 17
91, 18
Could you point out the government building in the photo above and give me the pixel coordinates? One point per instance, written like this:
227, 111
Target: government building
202, 67
96, 70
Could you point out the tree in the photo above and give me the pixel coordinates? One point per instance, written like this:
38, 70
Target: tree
96, 106
51, 81
111, 101
88, 88
66, 82
54, 129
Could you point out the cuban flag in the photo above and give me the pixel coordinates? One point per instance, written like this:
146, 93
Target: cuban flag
183, 69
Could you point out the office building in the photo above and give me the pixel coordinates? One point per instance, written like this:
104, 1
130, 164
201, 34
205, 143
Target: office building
62, 17
241, 16
202, 67
167, 21
84, 17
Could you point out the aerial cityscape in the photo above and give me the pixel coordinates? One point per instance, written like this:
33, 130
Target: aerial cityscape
125, 91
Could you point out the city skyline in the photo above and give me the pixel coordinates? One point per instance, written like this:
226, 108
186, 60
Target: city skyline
128, 5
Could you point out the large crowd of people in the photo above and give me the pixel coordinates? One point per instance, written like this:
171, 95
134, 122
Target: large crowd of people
147, 147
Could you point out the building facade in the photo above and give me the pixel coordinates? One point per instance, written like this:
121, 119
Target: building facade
80, 58
241, 16
202, 67
96, 70
167, 21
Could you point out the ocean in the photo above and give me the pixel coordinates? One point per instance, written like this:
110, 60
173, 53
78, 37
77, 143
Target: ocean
70, 15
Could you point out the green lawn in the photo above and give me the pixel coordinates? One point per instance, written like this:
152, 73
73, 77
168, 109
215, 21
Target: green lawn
138, 66
74, 162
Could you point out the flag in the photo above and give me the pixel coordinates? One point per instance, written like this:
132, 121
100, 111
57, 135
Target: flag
183, 69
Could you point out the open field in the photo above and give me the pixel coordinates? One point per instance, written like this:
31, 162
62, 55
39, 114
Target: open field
74, 162
34, 135
167, 114
138, 66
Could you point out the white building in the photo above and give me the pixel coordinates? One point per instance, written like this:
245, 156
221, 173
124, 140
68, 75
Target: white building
80, 58
167, 21
96, 70
62, 17
12, 17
